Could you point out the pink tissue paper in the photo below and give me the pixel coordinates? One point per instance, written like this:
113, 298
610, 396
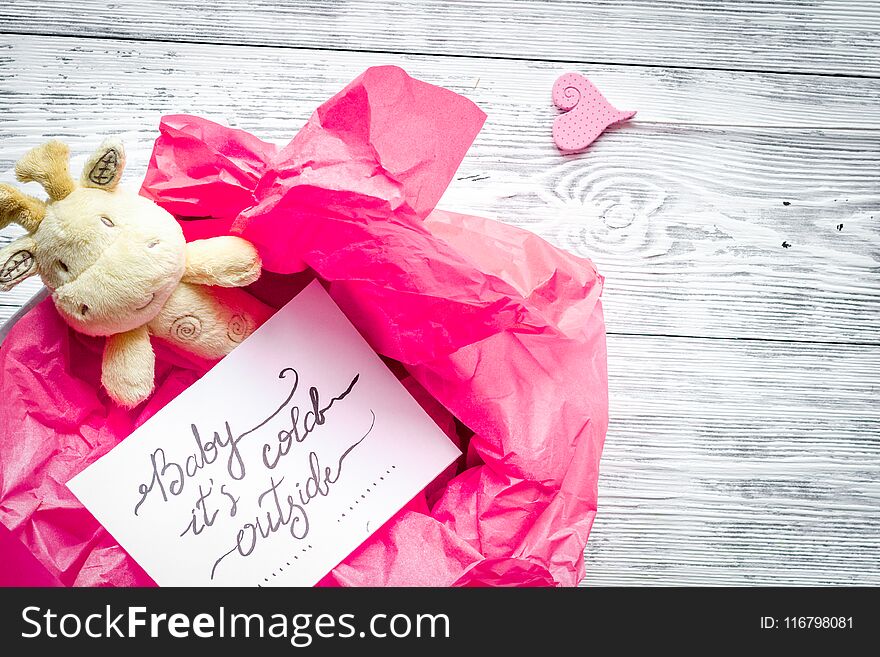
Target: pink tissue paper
498, 334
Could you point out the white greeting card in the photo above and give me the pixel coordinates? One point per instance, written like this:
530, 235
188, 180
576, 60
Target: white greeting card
273, 467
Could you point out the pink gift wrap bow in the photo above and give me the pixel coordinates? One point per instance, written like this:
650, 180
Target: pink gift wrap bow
499, 335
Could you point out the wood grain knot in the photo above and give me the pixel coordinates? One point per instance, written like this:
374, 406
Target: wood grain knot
618, 216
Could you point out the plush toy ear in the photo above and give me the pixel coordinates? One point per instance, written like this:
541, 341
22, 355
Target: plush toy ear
17, 262
104, 168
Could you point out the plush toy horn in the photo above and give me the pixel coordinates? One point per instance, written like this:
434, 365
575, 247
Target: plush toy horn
47, 165
17, 207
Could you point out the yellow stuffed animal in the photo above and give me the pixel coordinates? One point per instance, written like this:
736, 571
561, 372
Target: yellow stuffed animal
117, 265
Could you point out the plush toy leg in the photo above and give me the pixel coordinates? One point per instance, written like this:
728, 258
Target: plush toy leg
129, 367
208, 321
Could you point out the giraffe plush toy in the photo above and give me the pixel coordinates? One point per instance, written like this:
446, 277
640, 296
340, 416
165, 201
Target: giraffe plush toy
117, 265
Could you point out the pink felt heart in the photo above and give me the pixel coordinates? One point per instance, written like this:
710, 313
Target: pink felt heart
587, 113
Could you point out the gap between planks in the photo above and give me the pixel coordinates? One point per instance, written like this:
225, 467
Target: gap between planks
390, 51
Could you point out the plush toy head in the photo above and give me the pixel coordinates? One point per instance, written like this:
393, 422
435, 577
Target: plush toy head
110, 257
118, 266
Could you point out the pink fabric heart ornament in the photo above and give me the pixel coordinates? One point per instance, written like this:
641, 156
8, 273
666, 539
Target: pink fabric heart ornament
587, 113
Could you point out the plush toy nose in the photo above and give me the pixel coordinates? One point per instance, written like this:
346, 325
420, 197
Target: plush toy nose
73, 306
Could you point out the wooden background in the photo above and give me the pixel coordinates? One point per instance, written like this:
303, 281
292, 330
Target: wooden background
744, 445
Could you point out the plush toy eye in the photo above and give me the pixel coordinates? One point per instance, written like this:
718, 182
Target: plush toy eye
106, 221
62, 266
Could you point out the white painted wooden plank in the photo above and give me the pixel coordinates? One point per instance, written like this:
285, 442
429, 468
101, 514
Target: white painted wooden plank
828, 36
739, 463
274, 79
686, 222
12, 301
